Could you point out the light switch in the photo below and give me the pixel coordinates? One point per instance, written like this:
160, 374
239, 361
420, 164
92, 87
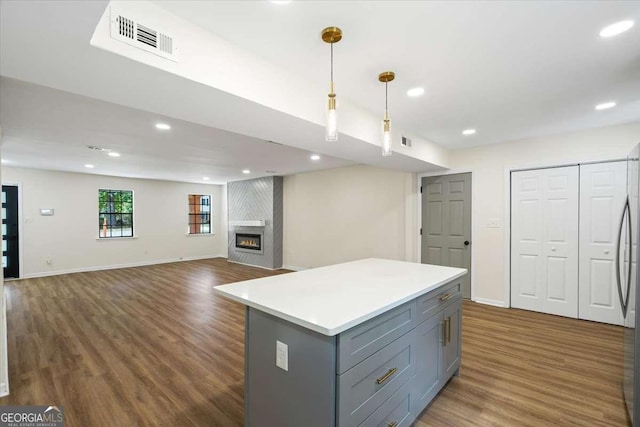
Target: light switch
282, 356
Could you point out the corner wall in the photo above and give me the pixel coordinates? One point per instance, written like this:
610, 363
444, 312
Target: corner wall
490, 165
70, 236
349, 213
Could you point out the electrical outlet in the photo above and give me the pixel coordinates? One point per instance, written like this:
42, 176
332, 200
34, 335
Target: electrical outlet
282, 356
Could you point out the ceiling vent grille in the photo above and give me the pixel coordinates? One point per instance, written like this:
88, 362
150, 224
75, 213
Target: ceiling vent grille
125, 28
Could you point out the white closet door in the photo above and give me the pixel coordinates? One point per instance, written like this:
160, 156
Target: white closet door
544, 242
602, 197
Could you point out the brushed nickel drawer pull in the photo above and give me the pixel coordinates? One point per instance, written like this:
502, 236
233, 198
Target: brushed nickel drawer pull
449, 329
386, 376
444, 332
445, 297
394, 424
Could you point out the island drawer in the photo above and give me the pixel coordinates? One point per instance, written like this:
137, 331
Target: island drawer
434, 301
398, 411
360, 342
365, 387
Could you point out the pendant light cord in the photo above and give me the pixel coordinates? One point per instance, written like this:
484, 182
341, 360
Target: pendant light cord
386, 96
332, 64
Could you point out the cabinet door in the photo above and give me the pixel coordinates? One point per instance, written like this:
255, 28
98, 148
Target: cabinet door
452, 338
429, 368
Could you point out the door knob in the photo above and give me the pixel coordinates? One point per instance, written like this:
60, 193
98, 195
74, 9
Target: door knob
553, 249
466, 243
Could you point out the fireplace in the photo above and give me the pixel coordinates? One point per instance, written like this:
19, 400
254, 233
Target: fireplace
248, 242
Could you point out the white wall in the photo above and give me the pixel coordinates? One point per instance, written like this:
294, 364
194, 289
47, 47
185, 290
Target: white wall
490, 165
348, 213
70, 237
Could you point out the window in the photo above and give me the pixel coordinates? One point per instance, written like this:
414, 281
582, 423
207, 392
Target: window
199, 214
115, 217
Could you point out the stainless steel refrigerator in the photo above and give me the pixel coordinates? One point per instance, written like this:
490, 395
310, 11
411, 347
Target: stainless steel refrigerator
627, 275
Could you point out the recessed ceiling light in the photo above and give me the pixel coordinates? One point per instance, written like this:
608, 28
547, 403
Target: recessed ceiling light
163, 126
4, 161
246, 171
416, 91
468, 131
617, 28
605, 105
315, 157
113, 154
88, 166
206, 178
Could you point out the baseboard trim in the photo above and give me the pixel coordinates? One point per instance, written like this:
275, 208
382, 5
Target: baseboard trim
116, 266
493, 302
293, 268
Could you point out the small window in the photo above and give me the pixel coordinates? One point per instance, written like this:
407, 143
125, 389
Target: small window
199, 214
115, 217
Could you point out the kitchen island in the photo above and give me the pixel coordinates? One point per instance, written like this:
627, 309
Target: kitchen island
364, 343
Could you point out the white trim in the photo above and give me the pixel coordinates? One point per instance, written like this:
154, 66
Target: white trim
474, 231
293, 268
104, 239
507, 209
4, 365
116, 266
248, 223
200, 234
493, 302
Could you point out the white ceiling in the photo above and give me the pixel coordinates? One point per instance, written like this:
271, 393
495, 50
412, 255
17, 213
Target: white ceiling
511, 70
46, 128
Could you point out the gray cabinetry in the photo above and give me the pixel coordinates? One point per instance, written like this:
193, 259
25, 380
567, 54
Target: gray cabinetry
380, 373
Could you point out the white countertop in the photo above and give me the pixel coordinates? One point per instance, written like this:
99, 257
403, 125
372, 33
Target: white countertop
332, 299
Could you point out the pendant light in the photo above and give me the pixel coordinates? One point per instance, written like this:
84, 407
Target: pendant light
332, 35
385, 78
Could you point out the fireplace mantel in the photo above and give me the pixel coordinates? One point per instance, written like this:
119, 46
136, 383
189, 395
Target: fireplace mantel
248, 223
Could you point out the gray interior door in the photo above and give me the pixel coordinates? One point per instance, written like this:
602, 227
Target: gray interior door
446, 223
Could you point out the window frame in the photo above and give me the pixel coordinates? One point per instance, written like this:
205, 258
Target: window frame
189, 214
133, 215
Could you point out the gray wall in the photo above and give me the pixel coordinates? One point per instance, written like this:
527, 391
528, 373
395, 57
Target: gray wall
255, 199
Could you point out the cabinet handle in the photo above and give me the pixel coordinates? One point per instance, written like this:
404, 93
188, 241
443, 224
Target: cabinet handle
394, 424
386, 376
449, 329
444, 332
445, 297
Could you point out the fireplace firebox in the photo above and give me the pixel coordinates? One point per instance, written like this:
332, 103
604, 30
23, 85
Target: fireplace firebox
249, 242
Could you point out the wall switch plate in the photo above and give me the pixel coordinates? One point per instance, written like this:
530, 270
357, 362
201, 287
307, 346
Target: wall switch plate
282, 356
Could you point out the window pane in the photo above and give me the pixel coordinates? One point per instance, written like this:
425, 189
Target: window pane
115, 218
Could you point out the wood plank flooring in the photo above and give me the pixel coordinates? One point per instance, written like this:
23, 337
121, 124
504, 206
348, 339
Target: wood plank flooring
154, 346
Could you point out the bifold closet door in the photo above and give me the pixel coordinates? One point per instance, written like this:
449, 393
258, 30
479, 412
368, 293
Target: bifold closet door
602, 197
544, 240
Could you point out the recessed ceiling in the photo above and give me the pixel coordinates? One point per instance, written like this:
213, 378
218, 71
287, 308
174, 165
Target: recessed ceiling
512, 70
46, 128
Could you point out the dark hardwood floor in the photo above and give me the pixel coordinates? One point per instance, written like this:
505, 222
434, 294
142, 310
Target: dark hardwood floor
154, 346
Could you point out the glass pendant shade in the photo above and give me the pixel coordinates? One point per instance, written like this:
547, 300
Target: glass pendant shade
332, 121
386, 137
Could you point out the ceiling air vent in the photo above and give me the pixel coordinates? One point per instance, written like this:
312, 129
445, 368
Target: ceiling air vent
406, 142
125, 28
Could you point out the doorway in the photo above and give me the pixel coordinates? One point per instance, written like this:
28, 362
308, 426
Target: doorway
10, 236
446, 223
